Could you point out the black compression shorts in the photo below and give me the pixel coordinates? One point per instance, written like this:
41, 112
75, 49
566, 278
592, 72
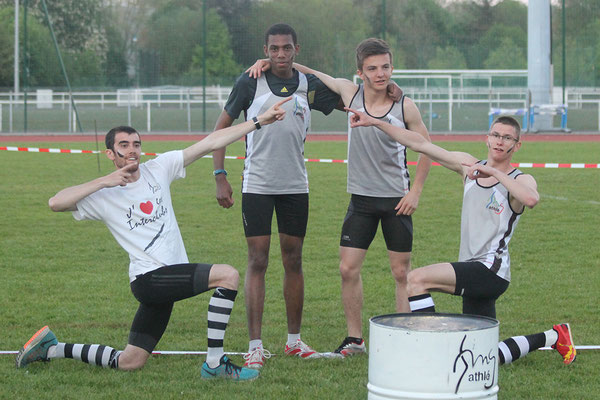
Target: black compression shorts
362, 219
479, 288
157, 291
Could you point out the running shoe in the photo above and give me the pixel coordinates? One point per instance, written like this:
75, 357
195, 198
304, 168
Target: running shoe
255, 358
351, 346
564, 345
36, 348
228, 370
301, 350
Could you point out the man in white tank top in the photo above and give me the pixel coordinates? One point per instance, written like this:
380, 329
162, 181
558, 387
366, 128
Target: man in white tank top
495, 196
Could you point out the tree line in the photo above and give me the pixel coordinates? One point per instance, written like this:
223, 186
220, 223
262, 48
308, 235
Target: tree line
122, 43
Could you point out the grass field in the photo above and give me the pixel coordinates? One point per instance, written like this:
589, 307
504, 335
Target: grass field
73, 276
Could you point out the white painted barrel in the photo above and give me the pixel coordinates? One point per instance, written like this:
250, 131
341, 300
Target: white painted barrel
433, 356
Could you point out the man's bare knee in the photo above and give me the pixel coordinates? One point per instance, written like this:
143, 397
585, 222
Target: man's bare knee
349, 272
415, 283
224, 275
401, 274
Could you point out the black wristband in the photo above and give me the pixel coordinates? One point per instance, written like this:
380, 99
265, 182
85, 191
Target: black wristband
256, 124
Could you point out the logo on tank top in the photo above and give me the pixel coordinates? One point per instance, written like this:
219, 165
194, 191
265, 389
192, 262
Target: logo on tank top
494, 205
299, 110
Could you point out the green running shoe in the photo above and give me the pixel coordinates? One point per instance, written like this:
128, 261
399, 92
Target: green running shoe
36, 348
228, 370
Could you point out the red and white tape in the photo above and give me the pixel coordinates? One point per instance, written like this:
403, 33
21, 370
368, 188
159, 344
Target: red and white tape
319, 160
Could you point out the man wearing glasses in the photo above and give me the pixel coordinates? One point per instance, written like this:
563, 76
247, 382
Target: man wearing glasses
495, 196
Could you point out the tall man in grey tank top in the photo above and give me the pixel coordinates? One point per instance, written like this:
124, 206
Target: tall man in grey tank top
495, 196
378, 181
274, 179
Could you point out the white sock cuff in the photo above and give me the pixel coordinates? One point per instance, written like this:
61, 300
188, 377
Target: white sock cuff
419, 304
254, 344
551, 337
292, 338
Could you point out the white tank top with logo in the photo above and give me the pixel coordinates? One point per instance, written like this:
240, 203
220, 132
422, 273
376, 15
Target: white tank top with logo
487, 224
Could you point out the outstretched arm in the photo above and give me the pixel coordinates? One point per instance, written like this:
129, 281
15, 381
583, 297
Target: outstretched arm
343, 87
522, 189
66, 199
223, 137
416, 142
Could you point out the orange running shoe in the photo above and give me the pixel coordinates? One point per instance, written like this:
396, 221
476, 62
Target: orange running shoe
564, 344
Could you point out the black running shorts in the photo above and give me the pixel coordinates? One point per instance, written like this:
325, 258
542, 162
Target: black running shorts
362, 219
291, 211
157, 291
479, 287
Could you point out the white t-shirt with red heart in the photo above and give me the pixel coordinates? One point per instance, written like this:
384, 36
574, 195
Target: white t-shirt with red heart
140, 215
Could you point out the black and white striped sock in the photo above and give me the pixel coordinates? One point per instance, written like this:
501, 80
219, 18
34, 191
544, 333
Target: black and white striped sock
516, 347
219, 310
421, 303
94, 354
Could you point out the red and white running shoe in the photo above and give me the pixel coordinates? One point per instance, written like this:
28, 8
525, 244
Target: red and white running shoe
301, 350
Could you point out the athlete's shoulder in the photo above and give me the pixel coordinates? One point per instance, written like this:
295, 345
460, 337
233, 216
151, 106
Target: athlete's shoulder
245, 80
314, 82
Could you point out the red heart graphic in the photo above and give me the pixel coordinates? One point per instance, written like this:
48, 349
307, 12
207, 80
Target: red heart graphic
146, 207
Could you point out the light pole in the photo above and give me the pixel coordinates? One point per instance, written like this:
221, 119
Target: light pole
16, 71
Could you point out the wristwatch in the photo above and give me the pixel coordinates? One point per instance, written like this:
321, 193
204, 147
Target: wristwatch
256, 123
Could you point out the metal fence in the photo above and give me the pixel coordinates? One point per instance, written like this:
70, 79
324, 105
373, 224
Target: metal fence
195, 110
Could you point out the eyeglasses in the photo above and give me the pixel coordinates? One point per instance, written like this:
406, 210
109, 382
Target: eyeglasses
505, 138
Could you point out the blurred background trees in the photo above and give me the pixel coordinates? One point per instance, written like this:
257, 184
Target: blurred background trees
123, 43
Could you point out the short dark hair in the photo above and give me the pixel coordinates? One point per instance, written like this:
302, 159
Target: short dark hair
109, 139
510, 121
371, 47
280, 29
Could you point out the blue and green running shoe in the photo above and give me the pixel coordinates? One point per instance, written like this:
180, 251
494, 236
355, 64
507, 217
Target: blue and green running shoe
36, 348
228, 370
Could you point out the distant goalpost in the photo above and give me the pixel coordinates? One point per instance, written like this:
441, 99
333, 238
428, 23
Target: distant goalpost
456, 78
457, 84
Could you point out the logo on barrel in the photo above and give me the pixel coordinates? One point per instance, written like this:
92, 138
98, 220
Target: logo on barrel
474, 367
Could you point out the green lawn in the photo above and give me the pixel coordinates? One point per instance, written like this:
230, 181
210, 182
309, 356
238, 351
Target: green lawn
73, 276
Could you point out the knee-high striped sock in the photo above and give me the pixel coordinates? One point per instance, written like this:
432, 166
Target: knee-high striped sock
94, 354
219, 310
517, 347
421, 303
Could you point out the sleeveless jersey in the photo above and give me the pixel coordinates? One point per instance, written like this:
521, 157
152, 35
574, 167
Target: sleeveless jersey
274, 161
487, 224
376, 162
